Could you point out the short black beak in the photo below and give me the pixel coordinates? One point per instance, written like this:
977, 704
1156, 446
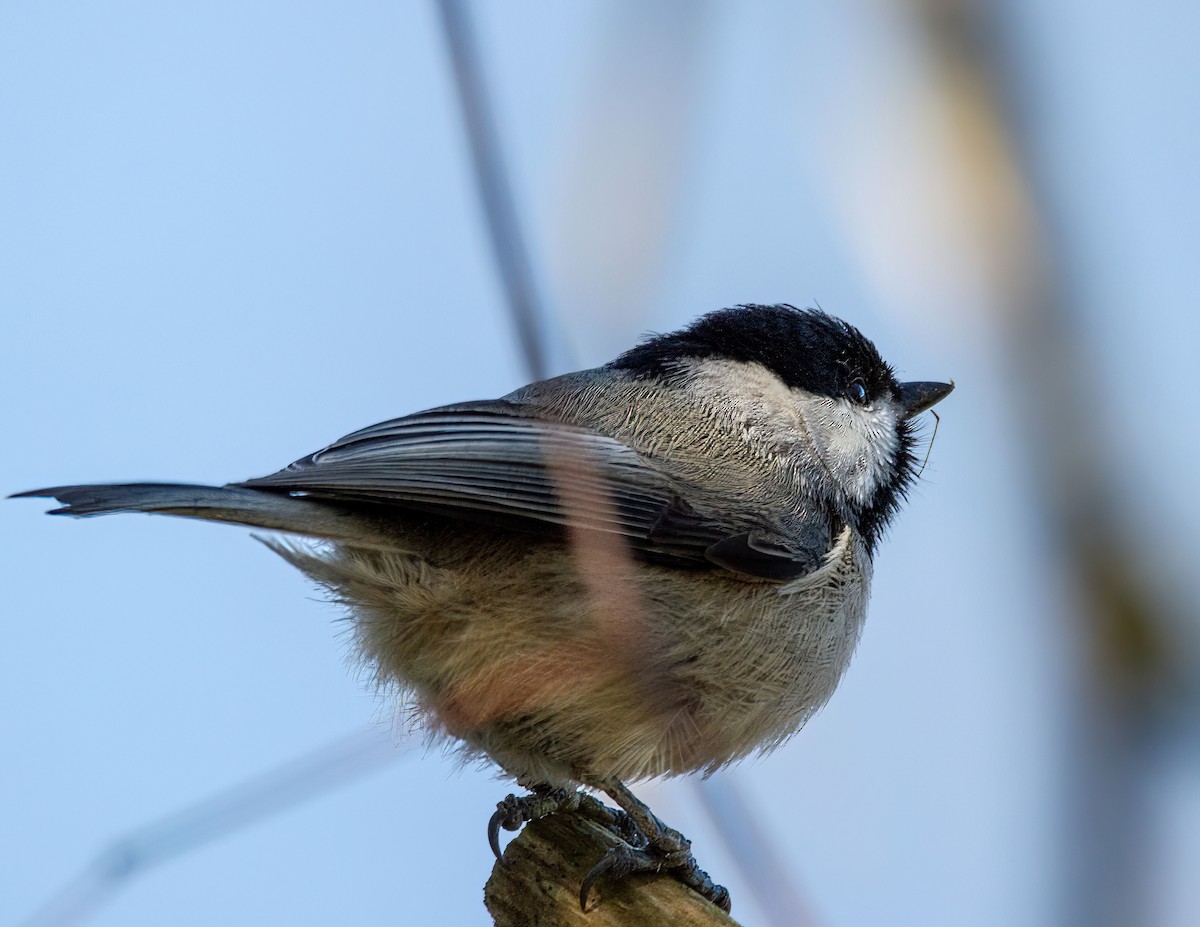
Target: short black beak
915, 398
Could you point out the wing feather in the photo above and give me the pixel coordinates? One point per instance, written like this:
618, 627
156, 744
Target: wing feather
498, 463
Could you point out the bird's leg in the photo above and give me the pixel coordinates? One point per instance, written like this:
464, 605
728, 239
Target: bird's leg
664, 849
516, 810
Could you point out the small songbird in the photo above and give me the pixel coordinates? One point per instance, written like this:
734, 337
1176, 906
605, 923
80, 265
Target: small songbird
654, 567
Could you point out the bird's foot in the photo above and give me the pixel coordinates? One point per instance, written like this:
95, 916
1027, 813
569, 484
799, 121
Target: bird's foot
658, 848
647, 845
668, 851
516, 810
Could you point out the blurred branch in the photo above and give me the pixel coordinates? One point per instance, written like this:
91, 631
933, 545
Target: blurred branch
292, 783
495, 193
750, 847
1030, 271
1130, 660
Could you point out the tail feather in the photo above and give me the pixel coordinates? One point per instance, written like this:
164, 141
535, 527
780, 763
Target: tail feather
274, 511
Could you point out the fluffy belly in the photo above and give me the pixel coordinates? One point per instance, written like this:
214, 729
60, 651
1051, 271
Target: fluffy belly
560, 673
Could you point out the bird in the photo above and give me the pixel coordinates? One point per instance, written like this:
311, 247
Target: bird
655, 567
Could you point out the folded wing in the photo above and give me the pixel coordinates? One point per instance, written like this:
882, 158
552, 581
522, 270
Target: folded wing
496, 463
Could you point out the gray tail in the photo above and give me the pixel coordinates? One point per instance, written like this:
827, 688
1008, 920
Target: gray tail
235, 504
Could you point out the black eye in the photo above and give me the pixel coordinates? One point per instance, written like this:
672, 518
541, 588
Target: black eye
857, 391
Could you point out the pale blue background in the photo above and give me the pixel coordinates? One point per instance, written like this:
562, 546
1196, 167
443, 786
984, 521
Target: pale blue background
231, 232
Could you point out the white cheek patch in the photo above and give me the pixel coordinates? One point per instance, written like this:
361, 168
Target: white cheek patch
857, 444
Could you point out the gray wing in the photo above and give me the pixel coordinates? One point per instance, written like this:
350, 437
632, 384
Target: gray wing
496, 463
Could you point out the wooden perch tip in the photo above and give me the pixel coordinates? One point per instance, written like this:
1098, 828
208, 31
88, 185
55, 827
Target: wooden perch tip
537, 883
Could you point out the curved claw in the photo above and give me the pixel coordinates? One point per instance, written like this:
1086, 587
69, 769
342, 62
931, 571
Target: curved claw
585, 887
617, 862
510, 814
494, 832
515, 811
